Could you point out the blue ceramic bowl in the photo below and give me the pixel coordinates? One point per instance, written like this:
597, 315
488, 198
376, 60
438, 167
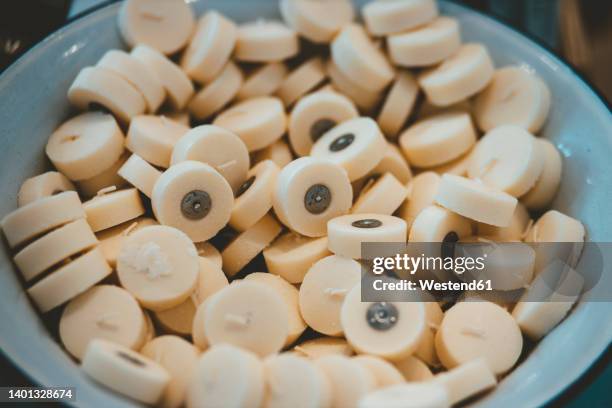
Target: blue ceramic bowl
33, 100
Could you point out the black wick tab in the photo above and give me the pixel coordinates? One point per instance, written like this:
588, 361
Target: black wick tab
245, 186
342, 142
196, 204
320, 127
317, 199
382, 316
367, 223
447, 249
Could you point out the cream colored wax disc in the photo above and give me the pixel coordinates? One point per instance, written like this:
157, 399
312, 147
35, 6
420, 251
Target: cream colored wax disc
385, 373
319, 22
388, 17
193, 197
227, 376
398, 104
165, 25
426, 350
315, 114
265, 41
324, 346
385, 329
54, 247
103, 312
140, 174
159, 266
365, 99
247, 314
346, 233
357, 145
301, 80
279, 152
125, 371
543, 306
257, 121
545, 188
248, 244
210, 48
263, 81
427, 45
208, 251
111, 239
514, 97
40, 216
290, 296
555, 227
291, 255
254, 196
323, 290
359, 59
460, 76
309, 192
507, 158
293, 381
96, 85
413, 369
413, 395
176, 83
217, 147
137, 74
154, 137
217, 94
110, 209
475, 200
422, 190
479, 329
180, 319
108, 178
179, 358
434, 223
70, 280
394, 162
438, 139
349, 380
515, 231
41, 186
383, 196
467, 380
85, 145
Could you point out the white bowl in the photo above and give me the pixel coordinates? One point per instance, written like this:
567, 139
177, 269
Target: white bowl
33, 95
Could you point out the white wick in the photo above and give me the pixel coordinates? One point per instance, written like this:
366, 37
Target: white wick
473, 331
106, 190
335, 292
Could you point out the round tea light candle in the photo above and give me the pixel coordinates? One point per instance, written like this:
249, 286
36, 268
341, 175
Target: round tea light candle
249, 315
159, 266
309, 192
479, 329
102, 312
217, 147
323, 290
391, 330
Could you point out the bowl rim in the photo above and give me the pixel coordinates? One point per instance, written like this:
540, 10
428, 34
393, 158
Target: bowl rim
557, 393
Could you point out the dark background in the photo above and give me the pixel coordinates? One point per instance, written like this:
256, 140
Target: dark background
579, 31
